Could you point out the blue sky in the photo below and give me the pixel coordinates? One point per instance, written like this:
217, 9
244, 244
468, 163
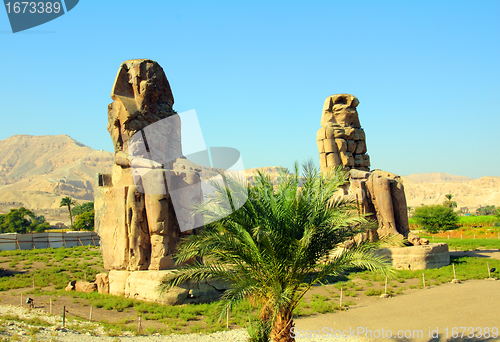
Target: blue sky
426, 74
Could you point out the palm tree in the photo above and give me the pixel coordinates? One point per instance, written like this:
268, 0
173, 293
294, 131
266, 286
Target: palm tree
449, 203
282, 241
68, 201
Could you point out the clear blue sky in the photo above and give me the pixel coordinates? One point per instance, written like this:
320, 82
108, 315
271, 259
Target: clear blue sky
426, 74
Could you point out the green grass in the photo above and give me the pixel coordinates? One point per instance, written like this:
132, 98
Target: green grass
373, 292
477, 220
469, 221
466, 244
466, 268
30, 321
62, 266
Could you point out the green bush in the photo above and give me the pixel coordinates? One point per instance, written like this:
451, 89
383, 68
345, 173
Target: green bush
82, 208
85, 221
435, 218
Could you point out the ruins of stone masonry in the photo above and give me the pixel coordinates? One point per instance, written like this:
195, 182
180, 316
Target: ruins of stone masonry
135, 216
342, 143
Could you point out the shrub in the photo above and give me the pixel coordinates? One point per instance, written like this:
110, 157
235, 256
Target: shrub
435, 218
85, 221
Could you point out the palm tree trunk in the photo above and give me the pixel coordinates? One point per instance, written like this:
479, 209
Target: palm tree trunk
70, 216
282, 327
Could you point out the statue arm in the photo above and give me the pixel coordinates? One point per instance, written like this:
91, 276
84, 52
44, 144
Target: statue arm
124, 160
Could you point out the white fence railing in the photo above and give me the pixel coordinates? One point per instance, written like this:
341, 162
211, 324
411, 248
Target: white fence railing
13, 241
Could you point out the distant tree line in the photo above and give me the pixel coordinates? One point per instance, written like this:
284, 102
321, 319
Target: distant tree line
488, 210
22, 221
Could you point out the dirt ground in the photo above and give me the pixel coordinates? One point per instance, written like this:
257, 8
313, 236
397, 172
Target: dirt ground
433, 311
422, 314
426, 315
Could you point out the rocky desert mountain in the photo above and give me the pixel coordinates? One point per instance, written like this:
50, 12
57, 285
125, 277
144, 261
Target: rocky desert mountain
431, 188
37, 171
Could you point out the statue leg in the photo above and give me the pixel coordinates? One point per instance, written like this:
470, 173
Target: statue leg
135, 225
382, 200
162, 225
400, 208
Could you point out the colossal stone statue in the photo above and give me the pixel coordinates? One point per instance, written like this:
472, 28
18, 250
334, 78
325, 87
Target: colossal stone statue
341, 142
135, 216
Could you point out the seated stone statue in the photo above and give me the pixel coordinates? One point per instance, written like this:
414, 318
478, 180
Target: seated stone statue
341, 142
135, 217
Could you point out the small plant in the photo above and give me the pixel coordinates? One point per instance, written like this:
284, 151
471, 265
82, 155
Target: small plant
373, 292
259, 331
33, 331
350, 293
400, 290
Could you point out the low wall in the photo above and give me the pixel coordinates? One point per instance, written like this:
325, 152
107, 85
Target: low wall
423, 257
13, 241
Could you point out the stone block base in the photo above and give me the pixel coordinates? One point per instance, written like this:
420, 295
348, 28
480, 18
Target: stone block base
143, 285
423, 257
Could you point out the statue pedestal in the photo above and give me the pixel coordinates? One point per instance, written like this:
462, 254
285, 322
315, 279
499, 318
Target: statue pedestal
143, 285
423, 257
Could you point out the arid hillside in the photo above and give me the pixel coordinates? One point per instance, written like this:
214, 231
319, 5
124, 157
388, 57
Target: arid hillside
37, 171
431, 188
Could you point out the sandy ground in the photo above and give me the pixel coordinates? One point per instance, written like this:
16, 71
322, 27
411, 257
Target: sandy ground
473, 304
426, 315
423, 315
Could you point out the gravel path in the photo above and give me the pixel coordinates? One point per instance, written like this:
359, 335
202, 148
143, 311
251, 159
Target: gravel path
72, 331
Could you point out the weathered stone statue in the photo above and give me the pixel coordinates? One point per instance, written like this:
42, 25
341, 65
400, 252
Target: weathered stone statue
135, 215
341, 142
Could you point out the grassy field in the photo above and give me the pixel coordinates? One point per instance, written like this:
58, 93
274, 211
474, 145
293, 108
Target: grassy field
52, 266
52, 269
465, 244
472, 222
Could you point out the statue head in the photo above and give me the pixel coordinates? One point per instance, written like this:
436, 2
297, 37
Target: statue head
340, 110
144, 81
141, 96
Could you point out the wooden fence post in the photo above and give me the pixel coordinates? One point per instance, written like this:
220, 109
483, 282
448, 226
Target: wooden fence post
341, 295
